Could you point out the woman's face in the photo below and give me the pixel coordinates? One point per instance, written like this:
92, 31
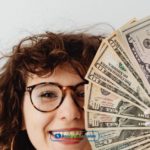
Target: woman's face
67, 119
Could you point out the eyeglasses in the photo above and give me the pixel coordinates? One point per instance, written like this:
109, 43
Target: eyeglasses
48, 96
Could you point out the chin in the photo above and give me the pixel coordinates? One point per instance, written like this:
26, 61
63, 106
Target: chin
70, 145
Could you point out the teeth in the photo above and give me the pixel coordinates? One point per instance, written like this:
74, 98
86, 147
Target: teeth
54, 133
65, 133
69, 133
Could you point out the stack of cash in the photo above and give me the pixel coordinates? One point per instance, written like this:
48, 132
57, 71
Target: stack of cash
117, 98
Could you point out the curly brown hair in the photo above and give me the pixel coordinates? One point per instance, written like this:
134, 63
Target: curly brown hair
38, 54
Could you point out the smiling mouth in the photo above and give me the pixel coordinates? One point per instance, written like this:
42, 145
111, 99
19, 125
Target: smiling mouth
68, 136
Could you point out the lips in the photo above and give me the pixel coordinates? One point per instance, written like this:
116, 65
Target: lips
67, 136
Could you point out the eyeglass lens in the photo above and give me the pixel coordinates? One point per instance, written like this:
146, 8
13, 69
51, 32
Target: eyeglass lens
47, 97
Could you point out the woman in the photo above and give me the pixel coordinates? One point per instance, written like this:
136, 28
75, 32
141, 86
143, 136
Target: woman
42, 92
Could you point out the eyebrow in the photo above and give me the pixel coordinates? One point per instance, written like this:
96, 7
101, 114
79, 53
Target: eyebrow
82, 82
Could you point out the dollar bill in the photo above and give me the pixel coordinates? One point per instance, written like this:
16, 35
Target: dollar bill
117, 39
117, 71
116, 42
117, 138
97, 121
143, 102
98, 79
129, 145
145, 146
100, 100
137, 41
139, 144
117, 101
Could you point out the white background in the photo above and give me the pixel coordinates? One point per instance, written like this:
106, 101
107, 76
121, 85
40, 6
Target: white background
19, 18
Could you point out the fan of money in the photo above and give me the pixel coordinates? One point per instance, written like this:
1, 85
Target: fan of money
117, 98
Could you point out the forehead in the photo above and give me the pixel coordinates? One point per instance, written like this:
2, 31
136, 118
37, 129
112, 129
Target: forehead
64, 75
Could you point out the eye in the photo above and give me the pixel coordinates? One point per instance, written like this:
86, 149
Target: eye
80, 94
49, 94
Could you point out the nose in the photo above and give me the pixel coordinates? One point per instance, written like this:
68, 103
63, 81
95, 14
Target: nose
69, 110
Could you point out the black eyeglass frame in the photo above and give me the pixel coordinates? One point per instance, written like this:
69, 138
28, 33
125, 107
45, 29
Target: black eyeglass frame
62, 88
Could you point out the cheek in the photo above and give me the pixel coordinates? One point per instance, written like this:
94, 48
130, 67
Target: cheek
34, 119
